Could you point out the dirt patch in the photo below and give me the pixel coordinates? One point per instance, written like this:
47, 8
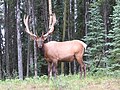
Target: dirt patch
106, 85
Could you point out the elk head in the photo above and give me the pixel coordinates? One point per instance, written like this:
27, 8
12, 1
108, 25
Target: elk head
39, 40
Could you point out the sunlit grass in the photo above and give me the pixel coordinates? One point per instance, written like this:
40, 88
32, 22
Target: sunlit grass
68, 82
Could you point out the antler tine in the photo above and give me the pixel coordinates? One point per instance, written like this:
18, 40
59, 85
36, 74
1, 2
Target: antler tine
52, 26
27, 28
54, 18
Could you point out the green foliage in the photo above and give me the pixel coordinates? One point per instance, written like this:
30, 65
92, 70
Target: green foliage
69, 82
115, 67
80, 19
58, 8
114, 34
96, 34
96, 55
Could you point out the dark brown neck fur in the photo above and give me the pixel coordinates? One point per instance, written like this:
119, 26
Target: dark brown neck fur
42, 50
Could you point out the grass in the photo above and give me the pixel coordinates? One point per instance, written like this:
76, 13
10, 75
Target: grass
69, 82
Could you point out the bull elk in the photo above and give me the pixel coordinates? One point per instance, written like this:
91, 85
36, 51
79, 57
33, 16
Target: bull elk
55, 52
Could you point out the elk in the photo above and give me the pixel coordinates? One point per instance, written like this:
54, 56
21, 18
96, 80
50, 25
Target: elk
55, 52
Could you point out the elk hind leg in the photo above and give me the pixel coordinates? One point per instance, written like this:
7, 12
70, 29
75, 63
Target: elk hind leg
83, 69
82, 65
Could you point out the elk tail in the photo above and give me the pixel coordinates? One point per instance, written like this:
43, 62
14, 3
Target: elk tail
84, 45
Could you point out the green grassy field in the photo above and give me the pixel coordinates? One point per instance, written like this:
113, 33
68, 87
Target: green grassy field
69, 82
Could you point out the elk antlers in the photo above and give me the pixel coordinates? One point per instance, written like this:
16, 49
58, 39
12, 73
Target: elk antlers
51, 29
33, 36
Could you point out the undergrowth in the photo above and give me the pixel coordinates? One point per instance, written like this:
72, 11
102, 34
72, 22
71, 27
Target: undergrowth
98, 80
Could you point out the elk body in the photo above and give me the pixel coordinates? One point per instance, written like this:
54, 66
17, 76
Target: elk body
55, 52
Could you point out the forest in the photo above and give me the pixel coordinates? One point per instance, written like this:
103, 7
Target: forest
96, 22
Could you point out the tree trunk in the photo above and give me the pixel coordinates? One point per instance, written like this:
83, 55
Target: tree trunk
64, 29
75, 27
28, 10
50, 21
14, 39
69, 27
31, 63
0, 52
86, 16
45, 15
71, 20
105, 17
19, 44
35, 49
105, 21
7, 39
1, 38
28, 56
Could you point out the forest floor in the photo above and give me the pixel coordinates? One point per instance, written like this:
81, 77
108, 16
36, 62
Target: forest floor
68, 82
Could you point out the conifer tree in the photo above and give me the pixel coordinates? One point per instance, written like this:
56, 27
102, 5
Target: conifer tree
95, 36
114, 34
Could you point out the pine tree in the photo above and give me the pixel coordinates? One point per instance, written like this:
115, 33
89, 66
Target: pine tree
95, 36
114, 34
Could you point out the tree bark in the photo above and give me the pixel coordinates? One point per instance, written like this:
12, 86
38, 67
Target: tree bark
14, 39
35, 49
75, 28
28, 10
64, 29
50, 21
69, 27
19, 44
1, 38
7, 39
105, 21
46, 15
86, 16
0, 52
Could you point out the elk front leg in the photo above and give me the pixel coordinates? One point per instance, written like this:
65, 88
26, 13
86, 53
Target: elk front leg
55, 69
49, 69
